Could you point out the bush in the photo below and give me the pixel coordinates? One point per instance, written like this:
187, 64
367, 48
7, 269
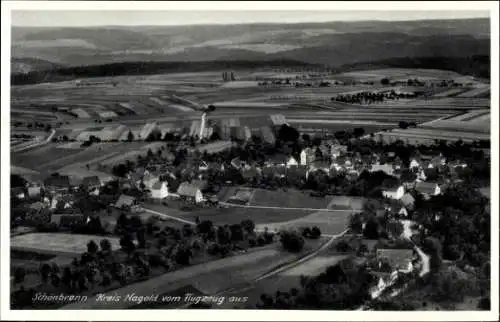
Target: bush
292, 241
315, 232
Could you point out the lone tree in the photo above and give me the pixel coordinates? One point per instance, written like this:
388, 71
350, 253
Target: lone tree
384, 81
92, 247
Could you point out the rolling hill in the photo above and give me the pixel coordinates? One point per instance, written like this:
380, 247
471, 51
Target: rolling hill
333, 44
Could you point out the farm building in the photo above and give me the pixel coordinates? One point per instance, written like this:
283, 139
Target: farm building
386, 168
34, 191
159, 190
190, 192
428, 189
57, 183
201, 184
307, 156
125, 202
395, 192
66, 220
321, 166
91, 183
149, 180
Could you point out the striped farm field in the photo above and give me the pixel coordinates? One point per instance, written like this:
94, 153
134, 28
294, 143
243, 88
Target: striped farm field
450, 93
476, 92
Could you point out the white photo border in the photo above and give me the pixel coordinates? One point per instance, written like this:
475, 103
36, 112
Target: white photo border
240, 315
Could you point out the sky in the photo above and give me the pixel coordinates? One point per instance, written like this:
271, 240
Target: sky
80, 18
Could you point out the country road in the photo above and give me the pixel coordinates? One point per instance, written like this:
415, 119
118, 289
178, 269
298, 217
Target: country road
160, 214
278, 270
36, 144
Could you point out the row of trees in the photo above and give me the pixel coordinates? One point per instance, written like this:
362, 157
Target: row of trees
371, 97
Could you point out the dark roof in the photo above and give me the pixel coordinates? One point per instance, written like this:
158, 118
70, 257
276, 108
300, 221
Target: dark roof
65, 219
159, 185
251, 172
57, 181
278, 159
426, 187
91, 181
297, 171
200, 184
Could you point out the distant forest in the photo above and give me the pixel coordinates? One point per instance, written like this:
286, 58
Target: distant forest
477, 66
146, 68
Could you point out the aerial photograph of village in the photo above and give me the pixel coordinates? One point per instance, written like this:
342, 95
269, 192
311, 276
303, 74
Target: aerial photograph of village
322, 164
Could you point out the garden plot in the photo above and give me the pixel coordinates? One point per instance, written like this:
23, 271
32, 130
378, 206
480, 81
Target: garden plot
57, 243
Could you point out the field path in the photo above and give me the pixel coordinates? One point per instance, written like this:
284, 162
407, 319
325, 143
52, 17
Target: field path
168, 216
282, 208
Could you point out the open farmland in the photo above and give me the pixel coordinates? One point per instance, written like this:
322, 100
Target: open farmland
51, 157
476, 92
276, 198
57, 243
450, 93
234, 215
209, 278
330, 222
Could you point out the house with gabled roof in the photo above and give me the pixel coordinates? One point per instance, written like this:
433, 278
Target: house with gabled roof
57, 183
149, 180
91, 183
159, 190
190, 192
428, 189
394, 192
386, 168
307, 156
125, 202
320, 166
34, 190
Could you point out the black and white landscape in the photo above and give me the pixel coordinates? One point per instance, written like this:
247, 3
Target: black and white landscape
341, 165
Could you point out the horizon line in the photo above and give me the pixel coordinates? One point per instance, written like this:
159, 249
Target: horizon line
247, 23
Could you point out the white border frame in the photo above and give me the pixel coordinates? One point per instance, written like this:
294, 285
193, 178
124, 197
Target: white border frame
231, 315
